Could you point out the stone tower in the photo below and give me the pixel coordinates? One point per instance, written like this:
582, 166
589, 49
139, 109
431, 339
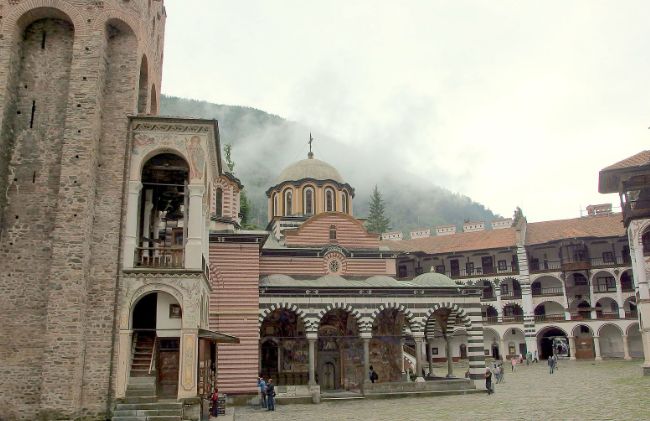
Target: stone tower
70, 73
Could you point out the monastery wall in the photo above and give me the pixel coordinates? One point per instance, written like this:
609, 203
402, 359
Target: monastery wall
69, 75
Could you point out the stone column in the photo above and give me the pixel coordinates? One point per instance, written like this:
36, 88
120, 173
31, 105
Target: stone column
567, 313
572, 347
401, 353
430, 346
419, 338
626, 348
365, 337
619, 298
592, 300
597, 348
497, 294
123, 362
311, 341
131, 228
450, 357
188, 359
194, 246
502, 349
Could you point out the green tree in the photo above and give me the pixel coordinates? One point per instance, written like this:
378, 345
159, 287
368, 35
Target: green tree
227, 149
377, 221
518, 216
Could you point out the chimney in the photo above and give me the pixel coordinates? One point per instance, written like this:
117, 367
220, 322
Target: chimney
421, 233
392, 236
602, 209
446, 229
473, 226
499, 224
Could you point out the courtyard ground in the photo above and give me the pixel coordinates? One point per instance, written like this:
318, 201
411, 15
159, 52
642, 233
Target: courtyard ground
579, 390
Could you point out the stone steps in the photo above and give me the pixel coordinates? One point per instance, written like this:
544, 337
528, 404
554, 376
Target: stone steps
147, 409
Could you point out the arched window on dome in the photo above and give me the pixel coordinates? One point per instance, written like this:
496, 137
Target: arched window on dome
330, 202
332, 232
308, 201
288, 203
344, 202
275, 204
218, 202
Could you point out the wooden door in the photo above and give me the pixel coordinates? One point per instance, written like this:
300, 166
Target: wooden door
168, 367
329, 374
585, 348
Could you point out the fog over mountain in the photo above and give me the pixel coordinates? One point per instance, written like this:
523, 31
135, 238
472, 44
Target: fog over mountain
263, 144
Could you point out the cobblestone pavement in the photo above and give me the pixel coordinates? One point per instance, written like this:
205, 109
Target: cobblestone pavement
579, 390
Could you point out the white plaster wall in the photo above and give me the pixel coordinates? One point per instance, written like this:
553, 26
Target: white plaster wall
163, 322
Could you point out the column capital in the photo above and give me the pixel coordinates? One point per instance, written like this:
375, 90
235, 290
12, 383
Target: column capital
418, 336
196, 189
366, 335
135, 186
312, 336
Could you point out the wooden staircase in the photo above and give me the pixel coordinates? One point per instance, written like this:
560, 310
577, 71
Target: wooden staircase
143, 350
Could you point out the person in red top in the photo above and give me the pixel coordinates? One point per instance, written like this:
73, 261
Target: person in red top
214, 399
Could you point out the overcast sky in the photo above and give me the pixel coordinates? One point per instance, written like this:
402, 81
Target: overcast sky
513, 103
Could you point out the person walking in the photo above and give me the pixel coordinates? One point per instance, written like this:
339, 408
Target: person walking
502, 372
535, 357
551, 364
270, 395
372, 375
262, 385
555, 365
497, 373
529, 358
513, 363
488, 381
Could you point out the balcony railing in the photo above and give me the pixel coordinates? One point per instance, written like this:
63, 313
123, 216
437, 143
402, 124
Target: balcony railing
545, 266
509, 319
488, 297
607, 315
581, 316
160, 257
549, 317
511, 296
480, 271
552, 291
631, 315
490, 320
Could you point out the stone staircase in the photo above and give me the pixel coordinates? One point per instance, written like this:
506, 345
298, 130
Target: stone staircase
141, 402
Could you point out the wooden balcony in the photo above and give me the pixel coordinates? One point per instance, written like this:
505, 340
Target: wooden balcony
547, 292
479, 271
490, 320
549, 317
160, 257
631, 315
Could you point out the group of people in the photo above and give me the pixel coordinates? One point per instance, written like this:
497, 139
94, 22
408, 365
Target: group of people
267, 393
498, 371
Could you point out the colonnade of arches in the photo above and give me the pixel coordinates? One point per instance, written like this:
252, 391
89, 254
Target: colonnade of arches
336, 349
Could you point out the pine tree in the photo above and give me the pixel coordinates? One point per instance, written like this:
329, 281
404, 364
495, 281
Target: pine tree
377, 221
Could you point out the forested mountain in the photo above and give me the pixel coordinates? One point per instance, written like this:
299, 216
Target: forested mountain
263, 144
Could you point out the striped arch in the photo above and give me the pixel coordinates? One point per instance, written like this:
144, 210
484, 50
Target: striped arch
410, 318
456, 310
264, 313
512, 303
639, 234
362, 322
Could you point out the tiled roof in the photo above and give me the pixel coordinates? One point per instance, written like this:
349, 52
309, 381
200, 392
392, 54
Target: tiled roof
464, 241
591, 226
638, 160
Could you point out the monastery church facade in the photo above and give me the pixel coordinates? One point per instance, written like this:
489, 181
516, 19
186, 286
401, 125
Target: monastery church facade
125, 276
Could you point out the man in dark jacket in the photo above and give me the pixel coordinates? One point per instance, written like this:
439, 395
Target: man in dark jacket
270, 395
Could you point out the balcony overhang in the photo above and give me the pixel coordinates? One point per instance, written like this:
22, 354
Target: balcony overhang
217, 337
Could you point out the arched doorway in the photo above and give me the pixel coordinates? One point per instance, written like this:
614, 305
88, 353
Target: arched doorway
491, 343
515, 342
611, 341
552, 340
340, 352
156, 323
607, 308
283, 348
164, 207
634, 341
584, 342
489, 314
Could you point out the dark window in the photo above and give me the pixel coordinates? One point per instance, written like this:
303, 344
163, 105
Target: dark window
645, 239
579, 279
626, 255
219, 202
505, 289
309, 201
469, 268
608, 257
503, 265
440, 268
402, 272
487, 264
605, 284
534, 264
454, 267
332, 232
